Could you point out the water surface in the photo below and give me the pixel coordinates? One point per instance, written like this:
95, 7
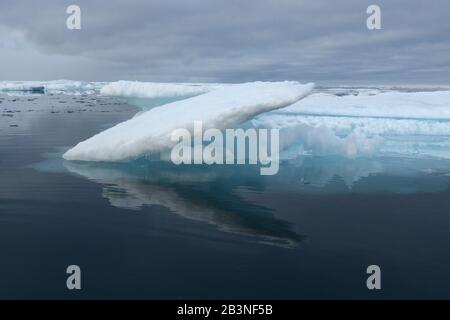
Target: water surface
154, 230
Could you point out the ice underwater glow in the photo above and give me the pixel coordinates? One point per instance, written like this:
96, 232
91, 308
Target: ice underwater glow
229, 148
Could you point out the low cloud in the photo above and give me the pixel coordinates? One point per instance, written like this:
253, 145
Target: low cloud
226, 41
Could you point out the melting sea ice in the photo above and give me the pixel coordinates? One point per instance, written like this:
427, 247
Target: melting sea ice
363, 180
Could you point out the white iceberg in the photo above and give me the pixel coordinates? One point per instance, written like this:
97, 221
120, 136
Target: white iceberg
222, 108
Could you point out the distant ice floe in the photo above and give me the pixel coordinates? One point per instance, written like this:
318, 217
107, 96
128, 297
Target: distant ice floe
157, 90
401, 105
54, 87
150, 132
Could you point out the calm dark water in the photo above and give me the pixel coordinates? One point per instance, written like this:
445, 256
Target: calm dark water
153, 230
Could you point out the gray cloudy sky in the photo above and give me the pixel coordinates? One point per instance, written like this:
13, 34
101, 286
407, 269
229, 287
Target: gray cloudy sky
324, 41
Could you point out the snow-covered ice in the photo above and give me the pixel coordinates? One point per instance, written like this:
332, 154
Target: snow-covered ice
150, 132
348, 121
157, 90
404, 105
